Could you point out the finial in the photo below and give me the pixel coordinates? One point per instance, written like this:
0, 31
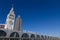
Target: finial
12, 3
12, 7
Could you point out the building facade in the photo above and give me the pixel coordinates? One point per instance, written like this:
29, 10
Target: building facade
2, 25
23, 35
9, 32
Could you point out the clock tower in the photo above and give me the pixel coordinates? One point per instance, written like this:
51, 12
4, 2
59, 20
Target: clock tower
10, 20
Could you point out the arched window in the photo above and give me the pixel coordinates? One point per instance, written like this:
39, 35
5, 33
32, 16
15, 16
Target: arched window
37, 37
3, 33
25, 36
32, 37
14, 34
42, 37
45, 37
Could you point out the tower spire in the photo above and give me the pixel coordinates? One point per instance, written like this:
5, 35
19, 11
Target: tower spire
12, 10
10, 19
18, 24
12, 6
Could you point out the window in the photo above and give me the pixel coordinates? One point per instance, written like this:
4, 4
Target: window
2, 33
25, 36
11, 15
32, 37
42, 37
37, 37
14, 34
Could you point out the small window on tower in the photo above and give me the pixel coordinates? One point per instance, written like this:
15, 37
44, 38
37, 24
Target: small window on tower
11, 18
11, 15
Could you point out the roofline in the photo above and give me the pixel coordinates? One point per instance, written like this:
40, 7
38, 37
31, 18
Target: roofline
2, 24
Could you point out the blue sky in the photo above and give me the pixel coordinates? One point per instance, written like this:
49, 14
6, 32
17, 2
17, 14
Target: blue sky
41, 16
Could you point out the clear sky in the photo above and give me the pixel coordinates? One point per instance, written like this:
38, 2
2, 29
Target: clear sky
41, 16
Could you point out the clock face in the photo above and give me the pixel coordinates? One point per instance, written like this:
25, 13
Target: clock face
11, 17
10, 22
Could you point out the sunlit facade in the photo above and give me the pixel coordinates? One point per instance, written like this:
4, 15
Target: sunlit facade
23, 35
